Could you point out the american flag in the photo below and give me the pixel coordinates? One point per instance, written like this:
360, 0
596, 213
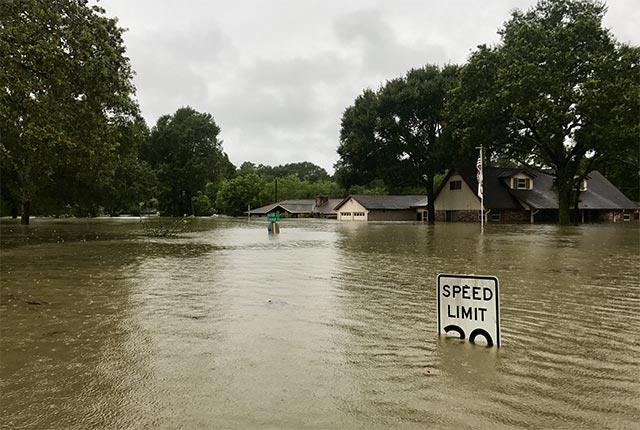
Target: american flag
479, 175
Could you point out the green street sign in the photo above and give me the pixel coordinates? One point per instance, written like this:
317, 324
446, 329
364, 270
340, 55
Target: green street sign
273, 216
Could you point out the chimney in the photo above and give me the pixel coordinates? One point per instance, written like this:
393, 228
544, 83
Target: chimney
321, 200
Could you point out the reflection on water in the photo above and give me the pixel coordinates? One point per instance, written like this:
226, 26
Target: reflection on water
327, 325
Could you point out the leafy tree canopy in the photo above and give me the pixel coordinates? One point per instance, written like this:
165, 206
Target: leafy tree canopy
398, 133
304, 170
557, 91
65, 96
185, 151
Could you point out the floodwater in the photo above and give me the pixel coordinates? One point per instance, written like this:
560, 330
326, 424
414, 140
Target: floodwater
328, 325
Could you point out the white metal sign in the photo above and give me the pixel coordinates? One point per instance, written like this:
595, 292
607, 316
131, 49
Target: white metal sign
469, 305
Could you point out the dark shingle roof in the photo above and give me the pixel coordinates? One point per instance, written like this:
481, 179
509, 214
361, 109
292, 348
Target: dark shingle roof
328, 207
496, 194
385, 202
298, 206
600, 194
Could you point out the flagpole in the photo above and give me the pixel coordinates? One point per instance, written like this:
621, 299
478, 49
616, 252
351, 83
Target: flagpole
480, 178
482, 195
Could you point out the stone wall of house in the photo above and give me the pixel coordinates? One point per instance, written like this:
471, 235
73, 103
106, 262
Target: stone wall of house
392, 215
506, 216
514, 216
460, 216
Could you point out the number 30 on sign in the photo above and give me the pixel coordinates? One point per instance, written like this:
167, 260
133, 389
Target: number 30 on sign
469, 306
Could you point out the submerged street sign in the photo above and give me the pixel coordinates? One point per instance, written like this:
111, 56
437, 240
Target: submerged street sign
469, 306
273, 216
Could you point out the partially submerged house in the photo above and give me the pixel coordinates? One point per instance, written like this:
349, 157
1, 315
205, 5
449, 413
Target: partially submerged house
516, 195
381, 208
321, 206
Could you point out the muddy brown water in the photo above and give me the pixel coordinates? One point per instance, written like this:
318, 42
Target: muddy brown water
328, 325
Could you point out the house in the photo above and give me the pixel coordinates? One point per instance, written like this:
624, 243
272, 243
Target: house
381, 208
516, 195
321, 206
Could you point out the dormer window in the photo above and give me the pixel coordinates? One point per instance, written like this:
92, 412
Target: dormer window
583, 185
522, 183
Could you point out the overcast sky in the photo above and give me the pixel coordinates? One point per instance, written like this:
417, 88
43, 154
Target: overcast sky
277, 75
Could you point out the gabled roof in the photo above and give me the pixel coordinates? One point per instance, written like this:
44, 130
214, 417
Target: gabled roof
507, 173
496, 194
385, 202
600, 194
328, 207
298, 206
291, 206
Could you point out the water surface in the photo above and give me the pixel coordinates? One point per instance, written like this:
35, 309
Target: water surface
329, 324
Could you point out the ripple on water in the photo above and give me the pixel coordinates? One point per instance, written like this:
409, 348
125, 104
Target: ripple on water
326, 325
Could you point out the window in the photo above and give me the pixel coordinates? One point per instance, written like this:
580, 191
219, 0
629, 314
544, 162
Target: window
455, 185
346, 214
626, 217
450, 216
495, 216
521, 183
358, 214
583, 185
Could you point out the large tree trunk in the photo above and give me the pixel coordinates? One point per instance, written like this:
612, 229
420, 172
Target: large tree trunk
26, 212
431, 208
564, 204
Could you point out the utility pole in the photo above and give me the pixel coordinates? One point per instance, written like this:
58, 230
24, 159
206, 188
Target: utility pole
276, 191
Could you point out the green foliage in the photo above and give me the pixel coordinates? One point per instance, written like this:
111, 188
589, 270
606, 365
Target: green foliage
292, 187
304, 171
133, 181
186, 153
235, 194
360, 155
398, 134
558, 91
65, 92
202, 205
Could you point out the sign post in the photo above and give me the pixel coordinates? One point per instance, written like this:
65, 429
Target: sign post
469, 305
273, 218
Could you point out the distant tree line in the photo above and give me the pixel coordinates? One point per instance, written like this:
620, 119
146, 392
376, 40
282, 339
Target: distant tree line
73, 142
557, 92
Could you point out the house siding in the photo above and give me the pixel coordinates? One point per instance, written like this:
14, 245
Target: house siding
464, 199
350, 207
514, 216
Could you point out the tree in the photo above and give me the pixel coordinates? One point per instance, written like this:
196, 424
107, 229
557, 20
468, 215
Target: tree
133, 181
304, 170
412, 126
398, 134
359, 151
185, 151
65, 86
557, 91
236, 194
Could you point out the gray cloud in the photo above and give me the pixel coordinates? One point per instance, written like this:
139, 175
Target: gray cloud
277, 75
